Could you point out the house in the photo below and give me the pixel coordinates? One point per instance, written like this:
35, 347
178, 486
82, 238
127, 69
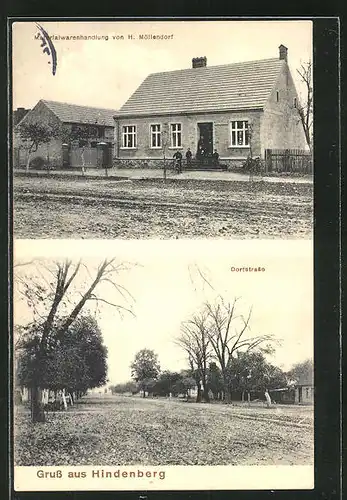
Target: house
238, 109
304, 389
97, 126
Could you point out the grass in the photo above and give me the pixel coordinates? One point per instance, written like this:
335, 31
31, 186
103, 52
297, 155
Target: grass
119, 430
181, 208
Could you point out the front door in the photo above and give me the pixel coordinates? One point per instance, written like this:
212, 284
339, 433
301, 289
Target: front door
205, 139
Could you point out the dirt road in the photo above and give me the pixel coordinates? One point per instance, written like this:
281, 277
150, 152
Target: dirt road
120, 430
148, 208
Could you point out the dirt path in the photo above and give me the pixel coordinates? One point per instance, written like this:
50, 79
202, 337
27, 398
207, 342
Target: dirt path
148, 209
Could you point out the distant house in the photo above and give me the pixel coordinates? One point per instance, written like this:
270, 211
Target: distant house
234, 108
98, 121
304, 389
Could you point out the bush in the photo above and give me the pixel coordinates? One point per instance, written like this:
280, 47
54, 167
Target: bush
37, 163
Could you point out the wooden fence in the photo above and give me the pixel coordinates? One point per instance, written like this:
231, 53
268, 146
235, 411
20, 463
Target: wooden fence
288, 160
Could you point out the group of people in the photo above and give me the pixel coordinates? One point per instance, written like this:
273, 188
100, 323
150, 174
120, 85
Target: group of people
201, 154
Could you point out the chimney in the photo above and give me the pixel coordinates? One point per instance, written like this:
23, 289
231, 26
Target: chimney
283, 53
199, 62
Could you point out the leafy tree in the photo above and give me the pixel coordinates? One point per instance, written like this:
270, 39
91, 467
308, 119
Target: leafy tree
184, 384
167, 383
250, 371
123, 388
302, 371
37, 134
145, 369
57, 296
77, 362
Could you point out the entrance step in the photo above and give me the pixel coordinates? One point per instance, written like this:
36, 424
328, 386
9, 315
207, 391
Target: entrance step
204, 168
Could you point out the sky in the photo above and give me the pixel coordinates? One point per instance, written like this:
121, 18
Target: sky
104, 73
164, 281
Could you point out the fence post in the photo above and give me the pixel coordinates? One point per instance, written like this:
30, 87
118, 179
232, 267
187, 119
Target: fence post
268, 160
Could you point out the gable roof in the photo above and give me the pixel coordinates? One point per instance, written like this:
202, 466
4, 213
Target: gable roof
73, 113
237, 86
305, 379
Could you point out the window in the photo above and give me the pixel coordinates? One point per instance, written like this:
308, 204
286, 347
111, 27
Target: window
176, 135
92, 131
155, 136
239, 134
101, 132
307, 392
129, 136
277, 96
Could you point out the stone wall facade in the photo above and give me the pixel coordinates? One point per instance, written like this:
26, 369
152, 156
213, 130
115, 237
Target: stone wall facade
281, 127
143, 152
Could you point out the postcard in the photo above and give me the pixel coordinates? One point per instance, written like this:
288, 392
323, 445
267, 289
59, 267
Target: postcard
163, 255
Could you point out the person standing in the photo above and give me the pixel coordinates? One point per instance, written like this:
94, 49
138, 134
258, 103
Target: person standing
189, 157
215, 158
178, 161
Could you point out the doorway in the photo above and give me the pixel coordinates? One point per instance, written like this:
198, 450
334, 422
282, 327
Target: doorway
205, 139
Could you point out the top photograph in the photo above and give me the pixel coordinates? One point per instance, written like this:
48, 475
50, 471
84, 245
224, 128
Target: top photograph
162, 129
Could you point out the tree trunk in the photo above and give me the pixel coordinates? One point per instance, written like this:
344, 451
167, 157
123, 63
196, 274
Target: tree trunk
268, 399
205, 394
37, 412
28, 162
64, 399
144, 393
199, 395
227, 396
249, 398
227, 392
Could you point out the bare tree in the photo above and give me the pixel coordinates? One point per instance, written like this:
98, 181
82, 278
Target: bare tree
194, 339
49, 293
305, 109
228, 334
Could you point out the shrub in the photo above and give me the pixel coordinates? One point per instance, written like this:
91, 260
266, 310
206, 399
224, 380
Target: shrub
37, 163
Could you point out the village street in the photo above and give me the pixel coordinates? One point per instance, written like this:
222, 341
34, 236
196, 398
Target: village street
120, 430
192, 205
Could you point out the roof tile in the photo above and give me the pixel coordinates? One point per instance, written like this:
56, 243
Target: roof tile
236, 86
73, 113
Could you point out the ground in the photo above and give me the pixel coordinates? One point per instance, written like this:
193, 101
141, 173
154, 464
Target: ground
193, 205
121, 430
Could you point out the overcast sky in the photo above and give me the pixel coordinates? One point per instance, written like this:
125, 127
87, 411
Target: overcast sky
164, 280
105, 73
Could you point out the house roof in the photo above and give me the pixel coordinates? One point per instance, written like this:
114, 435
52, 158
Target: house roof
305, 379
237, 86
73, 113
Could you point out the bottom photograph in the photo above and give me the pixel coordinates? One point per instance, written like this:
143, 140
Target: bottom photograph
163, 365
